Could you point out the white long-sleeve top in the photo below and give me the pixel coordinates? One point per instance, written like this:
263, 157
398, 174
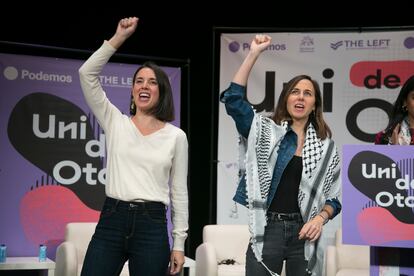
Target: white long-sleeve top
139, 167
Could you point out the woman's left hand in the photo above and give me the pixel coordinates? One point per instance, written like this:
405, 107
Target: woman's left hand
176, 261
312, 230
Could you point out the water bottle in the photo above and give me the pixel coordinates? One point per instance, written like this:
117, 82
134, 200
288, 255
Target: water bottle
42, 253
3, 253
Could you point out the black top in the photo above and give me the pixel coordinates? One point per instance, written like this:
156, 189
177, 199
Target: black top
286, 197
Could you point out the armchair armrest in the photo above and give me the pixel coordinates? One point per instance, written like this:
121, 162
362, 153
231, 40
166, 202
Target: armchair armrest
66, 260
331, 263
206, 260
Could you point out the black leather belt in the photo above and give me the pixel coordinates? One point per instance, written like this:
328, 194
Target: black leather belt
133, 204
283, 216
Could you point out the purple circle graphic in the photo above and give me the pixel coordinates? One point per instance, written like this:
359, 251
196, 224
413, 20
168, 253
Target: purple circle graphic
234, 46
409, 42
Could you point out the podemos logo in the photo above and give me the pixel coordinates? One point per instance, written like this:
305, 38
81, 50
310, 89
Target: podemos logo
12, 73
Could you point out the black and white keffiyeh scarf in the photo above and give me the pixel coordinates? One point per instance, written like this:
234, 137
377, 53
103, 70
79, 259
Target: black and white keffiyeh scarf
404, 136
319, 182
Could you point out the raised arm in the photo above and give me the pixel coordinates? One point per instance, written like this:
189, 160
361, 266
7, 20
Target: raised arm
234, 97
258, 45
126, 27
89, 73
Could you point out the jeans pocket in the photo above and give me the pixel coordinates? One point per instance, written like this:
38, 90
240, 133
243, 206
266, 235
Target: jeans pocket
157, 215
107, 211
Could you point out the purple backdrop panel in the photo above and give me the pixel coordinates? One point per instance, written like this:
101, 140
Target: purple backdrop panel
378, 195
52, 149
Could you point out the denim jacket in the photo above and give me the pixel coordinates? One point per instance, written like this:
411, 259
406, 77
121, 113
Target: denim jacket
242, 113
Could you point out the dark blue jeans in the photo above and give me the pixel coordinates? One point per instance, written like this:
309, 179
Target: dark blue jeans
136, 232
280, 243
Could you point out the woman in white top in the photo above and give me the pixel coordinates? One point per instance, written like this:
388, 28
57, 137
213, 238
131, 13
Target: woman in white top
147, 160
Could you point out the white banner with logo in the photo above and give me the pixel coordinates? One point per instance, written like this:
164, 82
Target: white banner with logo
360, 75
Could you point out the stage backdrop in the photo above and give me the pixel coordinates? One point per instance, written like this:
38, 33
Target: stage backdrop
378, 200
378, 192
360, 75
52, 149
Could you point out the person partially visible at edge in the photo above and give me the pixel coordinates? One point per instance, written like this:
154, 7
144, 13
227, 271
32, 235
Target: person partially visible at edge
400, 128
144, 154
291, 182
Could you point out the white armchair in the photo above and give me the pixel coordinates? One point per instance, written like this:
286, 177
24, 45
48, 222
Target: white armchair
345, 259
71, 253
220, 243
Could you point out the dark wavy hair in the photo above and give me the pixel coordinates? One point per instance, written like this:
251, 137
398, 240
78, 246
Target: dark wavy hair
316, 117
398, 111
164, 109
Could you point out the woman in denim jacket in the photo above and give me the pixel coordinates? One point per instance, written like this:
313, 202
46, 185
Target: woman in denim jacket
291, 181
